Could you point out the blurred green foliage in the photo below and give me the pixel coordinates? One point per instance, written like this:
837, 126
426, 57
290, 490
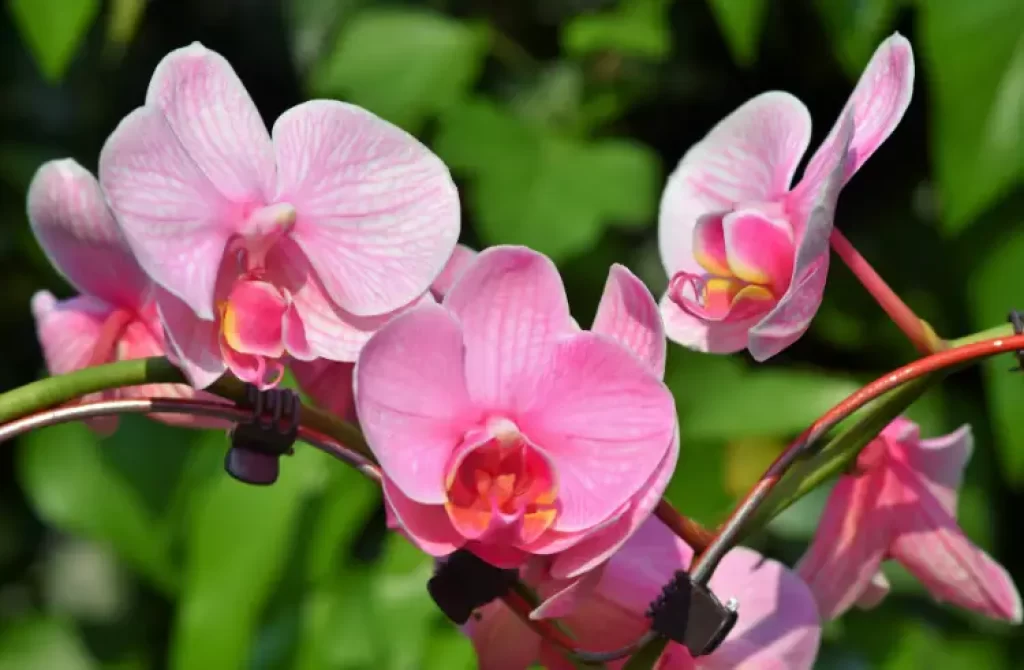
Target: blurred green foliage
560, 119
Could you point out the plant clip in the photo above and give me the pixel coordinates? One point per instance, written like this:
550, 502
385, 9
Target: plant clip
1017, 321
691, 615
463, 582
258, 443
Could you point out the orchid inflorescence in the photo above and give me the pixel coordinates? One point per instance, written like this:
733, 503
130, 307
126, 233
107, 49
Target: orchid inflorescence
529, 455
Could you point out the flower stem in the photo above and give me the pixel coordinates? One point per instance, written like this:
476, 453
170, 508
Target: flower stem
916, 329
729, 532
61, 389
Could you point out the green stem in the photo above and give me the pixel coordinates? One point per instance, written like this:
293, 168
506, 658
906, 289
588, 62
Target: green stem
61, 389
646, 658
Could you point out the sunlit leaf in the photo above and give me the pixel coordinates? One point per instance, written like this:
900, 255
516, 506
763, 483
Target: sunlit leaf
553, 193
42, 644
238, 540
995, 288
400, 602
719, 398
123, 19
53, 30
348, 500
633, 27
74, 487
974, 53
741, 22
405, 65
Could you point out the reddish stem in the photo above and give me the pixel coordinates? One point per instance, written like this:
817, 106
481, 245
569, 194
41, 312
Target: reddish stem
919, 332
690, 531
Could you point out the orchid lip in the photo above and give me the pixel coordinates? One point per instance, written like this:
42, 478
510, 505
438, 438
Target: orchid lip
501, 485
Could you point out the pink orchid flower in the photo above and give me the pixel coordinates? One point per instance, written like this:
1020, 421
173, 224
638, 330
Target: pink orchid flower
114, 318
329, 383
746, 254
501, 427
778, 624
297, 243
900, 504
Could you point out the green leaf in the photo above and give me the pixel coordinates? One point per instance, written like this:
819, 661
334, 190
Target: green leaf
647, 657
74, 487
855, 28
995, 288
239, 538
348, 501
400, 602
741, 22
53, 30
405, 65
634, 27
123, 20
719, 398
533, 187
42, 644
338, 629
978, 101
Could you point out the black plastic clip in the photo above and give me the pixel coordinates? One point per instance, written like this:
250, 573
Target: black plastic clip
463, 582
258, 443
691, 615
1017, 321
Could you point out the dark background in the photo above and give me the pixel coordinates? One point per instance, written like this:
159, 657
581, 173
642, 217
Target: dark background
560, 120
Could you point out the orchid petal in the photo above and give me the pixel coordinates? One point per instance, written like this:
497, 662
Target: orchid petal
815, 211
877, 105
329, 331
934, 549
849, 545
501, 640
193, 344
874, 593
427, 526
512, 307
253, 319
569, 596
378, 213
412, 401
460, 259
601, 545
603, 419
628, 314
721, 337
172, 216
940, 463
76, 230
759, 248
68, 332
329, 384
709, 245
750, 156
778, 624
216, 122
